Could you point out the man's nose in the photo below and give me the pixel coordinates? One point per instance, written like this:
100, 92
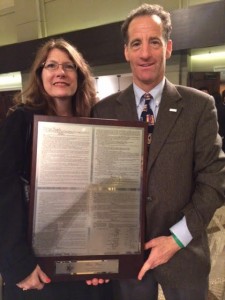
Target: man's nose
145, 50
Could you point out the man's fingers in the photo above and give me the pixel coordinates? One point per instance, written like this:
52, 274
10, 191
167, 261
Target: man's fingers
144, 269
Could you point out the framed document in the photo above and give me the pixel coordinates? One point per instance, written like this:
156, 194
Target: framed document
87, 197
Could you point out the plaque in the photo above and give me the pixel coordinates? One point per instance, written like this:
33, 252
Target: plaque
87, 197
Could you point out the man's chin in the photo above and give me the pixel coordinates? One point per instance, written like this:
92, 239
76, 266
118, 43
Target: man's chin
147, 80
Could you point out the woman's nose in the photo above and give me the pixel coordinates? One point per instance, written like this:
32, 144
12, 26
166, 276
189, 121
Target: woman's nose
60, 70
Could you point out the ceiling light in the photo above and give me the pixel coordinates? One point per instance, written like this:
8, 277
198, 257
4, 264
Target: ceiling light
209, 55
10, 81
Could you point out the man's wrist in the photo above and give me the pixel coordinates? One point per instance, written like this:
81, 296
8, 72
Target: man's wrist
181, 231
178, 242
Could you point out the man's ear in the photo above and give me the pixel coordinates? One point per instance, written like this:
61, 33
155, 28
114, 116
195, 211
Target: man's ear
126, 53
169, 49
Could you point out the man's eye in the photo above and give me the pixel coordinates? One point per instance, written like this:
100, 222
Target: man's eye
155, 43
135, 45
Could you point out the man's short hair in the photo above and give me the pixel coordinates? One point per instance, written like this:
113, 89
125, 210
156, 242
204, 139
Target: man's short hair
148, 10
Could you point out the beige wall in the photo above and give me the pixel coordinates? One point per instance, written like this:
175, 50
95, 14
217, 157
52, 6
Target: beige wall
22, 20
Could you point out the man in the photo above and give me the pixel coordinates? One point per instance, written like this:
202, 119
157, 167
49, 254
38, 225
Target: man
186, 167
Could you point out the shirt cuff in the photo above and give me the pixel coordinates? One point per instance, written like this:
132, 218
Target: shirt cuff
181, 231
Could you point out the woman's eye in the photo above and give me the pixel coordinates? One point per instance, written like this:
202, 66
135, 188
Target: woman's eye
51, 66
69, 66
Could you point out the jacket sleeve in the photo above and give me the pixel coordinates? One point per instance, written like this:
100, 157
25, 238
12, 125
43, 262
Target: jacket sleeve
16, 258
209, 172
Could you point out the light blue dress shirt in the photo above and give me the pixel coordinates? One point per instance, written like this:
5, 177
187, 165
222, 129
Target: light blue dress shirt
180, 229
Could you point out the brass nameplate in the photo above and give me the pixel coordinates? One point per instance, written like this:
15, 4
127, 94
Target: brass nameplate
87, 267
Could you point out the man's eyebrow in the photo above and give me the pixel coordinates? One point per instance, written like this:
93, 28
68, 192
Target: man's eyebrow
154, 38
135, 40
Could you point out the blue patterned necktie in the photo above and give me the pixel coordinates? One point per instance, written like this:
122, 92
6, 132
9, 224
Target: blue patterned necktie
147, 116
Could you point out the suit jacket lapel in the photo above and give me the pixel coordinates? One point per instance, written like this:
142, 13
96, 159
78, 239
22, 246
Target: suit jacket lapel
126, 110
169, 110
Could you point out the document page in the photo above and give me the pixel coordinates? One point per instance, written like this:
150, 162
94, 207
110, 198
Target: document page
88, 189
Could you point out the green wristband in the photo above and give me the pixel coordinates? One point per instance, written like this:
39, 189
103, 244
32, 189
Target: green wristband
177, 241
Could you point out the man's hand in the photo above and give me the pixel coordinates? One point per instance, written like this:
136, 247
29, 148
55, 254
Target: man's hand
96, 281
36, 280
162, 249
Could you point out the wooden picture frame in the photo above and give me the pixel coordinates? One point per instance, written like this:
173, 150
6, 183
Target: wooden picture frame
87, 197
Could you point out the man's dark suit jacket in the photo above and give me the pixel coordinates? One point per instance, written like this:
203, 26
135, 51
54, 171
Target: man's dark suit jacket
186, 174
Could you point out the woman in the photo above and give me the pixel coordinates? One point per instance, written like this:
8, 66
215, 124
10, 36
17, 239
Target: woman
60, 84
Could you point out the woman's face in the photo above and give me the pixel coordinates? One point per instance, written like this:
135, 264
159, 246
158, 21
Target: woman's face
59, 76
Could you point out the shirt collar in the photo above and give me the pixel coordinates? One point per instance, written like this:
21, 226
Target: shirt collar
156, 92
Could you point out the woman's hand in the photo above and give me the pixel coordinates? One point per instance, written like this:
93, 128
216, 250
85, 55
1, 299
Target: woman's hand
36, 280
96, 281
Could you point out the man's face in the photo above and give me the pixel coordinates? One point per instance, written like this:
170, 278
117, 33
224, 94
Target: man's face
147, 51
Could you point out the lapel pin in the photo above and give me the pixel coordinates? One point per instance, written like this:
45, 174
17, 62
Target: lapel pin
173, 109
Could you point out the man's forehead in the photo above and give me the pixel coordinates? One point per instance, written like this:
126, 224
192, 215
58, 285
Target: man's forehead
146, 19
145, 24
